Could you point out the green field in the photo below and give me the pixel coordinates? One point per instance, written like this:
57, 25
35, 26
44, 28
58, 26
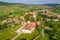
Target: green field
17, 10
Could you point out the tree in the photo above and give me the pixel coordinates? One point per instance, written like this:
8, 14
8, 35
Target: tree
27, 17
51, 18
8, 39
10, 13
57, 34
22, 39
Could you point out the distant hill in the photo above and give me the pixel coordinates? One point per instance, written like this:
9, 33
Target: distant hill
21, 5
52, 5
3, 3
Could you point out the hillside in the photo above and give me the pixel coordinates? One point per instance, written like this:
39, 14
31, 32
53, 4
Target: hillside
17, 18
19, 7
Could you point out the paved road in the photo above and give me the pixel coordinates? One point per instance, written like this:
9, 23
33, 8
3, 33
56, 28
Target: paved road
43, 33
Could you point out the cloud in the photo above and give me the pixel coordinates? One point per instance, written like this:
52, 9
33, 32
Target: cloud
33, 1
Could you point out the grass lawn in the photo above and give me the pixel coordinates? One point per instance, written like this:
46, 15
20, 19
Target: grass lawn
27, 36
8, 33
46, 37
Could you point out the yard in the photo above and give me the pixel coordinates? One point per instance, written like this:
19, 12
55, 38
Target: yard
27, 36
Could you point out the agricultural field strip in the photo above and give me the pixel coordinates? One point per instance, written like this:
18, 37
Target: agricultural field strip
19, 32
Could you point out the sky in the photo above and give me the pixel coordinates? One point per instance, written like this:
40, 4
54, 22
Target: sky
32, 1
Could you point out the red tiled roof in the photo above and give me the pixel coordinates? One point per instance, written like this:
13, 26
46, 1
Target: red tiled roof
30, 25
58, 15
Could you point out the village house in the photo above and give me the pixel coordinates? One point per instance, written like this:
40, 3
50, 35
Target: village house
49, 15
34, 14
21, 17
48, 19
38, 22
17, 21
58, 15
55, 19
9, 19
29, 12
29, 27
40, 10
48, 10
4, 21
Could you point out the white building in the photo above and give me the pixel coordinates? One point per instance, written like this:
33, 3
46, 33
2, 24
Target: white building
29, 28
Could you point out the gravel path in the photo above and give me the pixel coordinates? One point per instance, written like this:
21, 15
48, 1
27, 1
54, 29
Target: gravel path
19, 32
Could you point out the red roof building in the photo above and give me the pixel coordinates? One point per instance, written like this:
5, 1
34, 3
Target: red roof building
58, 15
29, 27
